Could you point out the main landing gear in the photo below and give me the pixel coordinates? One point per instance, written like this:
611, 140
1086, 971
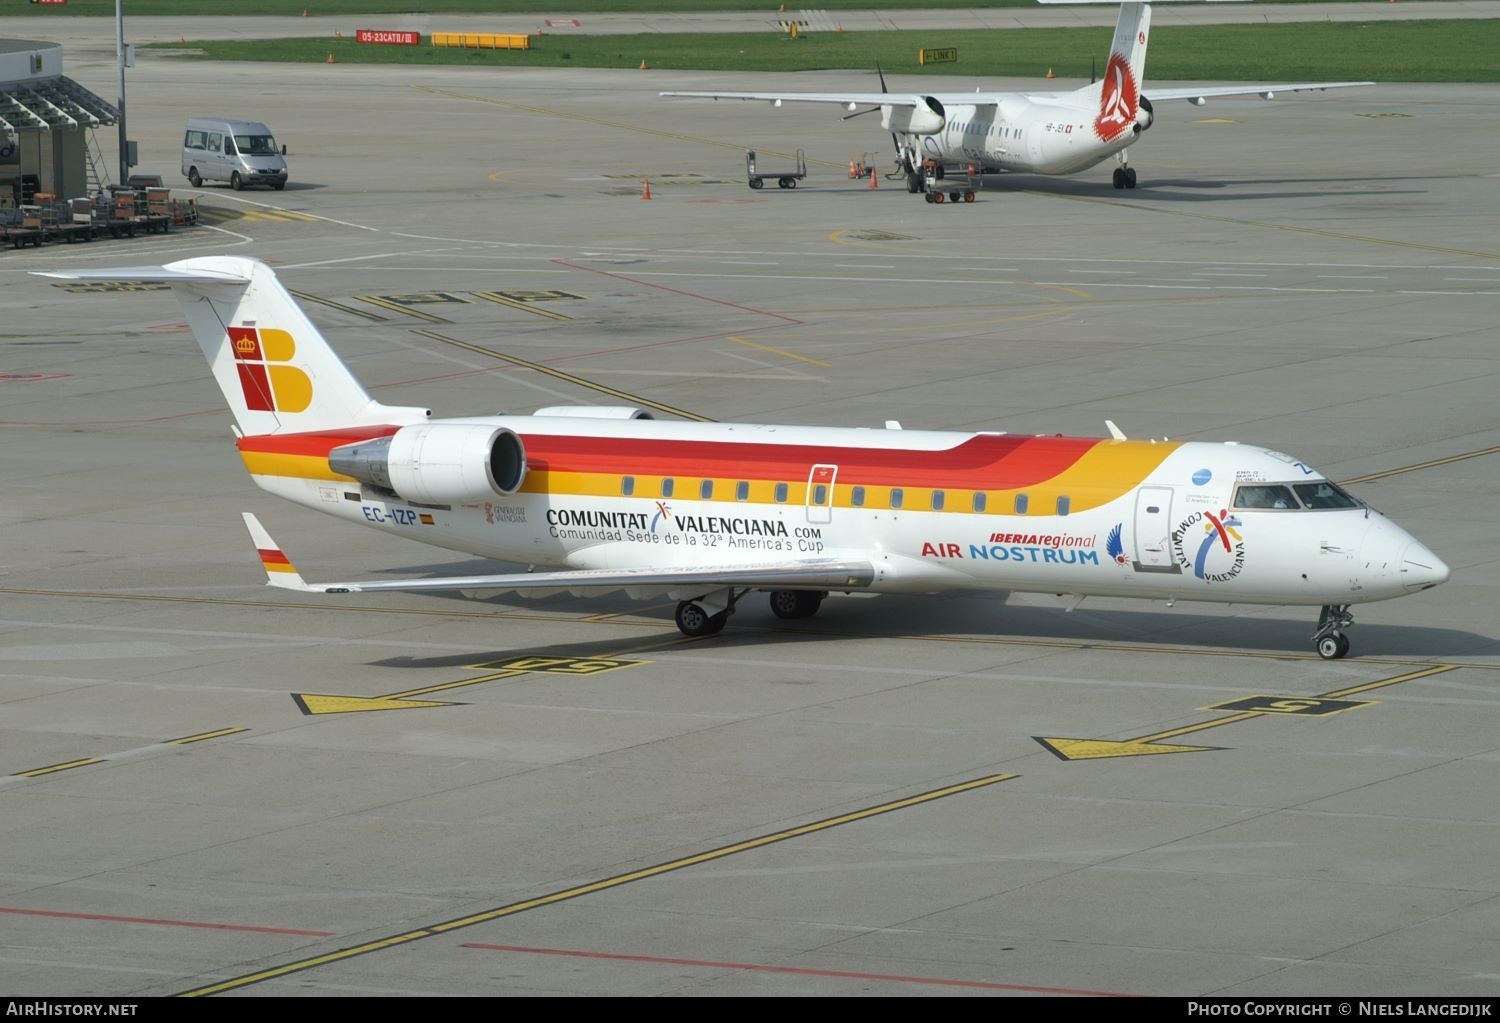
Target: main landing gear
1124, 176
707, 615
1330, 640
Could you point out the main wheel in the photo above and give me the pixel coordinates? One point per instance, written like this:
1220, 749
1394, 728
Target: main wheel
795, 603
1129, 177
235, 182
913, 183
693, 620
1119, 177
757, 184
193, 178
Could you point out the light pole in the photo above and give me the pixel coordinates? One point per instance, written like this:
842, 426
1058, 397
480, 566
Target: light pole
120, 53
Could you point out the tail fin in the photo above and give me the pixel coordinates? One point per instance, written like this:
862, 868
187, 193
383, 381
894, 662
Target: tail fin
277, 372
1120, 89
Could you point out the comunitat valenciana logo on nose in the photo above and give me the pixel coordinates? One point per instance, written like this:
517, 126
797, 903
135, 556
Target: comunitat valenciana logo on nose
269, 384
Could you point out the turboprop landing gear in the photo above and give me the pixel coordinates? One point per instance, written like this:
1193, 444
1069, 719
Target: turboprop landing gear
1124, 176
795, 603
1330, 640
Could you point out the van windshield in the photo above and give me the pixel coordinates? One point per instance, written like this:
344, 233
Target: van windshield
255, 145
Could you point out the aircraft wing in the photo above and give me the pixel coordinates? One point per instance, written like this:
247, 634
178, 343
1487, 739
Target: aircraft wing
1199, 96
801, 573
847, 99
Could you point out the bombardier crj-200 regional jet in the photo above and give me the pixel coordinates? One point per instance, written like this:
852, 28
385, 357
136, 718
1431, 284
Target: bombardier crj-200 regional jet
604, 498
1027, 132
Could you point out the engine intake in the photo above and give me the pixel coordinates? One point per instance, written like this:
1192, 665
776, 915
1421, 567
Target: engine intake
438, 463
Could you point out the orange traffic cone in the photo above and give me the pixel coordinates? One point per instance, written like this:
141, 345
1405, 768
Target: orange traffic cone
304, 12
330, 58
874, 177
338, 34
646, 189
1050, 74
643, 65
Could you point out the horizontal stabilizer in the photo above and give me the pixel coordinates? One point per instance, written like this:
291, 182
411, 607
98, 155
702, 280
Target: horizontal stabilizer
147, 275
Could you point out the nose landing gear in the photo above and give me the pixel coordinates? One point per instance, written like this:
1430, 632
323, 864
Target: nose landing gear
1329, 640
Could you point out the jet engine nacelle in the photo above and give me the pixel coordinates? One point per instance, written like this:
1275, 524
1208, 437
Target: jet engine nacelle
595, 412
926, 118
438, 463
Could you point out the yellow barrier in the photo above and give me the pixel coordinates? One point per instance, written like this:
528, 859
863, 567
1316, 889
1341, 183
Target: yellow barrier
482, 40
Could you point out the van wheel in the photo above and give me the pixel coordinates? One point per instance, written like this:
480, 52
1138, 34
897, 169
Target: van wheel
235, 182
193, 178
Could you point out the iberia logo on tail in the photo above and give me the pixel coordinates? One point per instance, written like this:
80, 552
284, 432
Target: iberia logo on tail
268, 382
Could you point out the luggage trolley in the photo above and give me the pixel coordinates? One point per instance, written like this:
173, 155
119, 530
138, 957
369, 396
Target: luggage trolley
784, 179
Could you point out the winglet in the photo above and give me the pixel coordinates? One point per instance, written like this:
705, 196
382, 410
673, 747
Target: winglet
1114, 431
279, 569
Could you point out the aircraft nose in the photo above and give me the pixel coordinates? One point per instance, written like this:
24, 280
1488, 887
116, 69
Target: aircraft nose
1397, 563
1420, 568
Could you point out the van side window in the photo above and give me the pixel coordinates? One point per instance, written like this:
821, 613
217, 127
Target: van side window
194, 140
215, 142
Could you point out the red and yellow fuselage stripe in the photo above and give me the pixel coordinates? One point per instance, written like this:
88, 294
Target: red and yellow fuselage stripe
1088, 471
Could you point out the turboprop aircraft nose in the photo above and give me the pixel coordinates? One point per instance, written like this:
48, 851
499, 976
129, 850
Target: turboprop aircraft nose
1420, 568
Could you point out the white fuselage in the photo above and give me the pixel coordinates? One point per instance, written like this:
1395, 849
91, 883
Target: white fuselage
1015, 133
1110, 517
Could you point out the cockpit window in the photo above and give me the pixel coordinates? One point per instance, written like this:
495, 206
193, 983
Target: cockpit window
1324, 494
1264, 495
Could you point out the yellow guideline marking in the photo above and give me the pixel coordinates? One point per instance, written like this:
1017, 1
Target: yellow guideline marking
206, 735
315, 703
1423, 465
525, 307
588, 889
397, 307
59, 767
778, 351
1100, 749
324, 703
560, 375
330, 303
1097, 749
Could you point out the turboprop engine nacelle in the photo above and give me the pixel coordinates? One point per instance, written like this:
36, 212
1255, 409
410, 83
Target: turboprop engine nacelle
926, 118
1144, 115
438, 463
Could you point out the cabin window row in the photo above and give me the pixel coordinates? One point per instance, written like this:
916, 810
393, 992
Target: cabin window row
859, 497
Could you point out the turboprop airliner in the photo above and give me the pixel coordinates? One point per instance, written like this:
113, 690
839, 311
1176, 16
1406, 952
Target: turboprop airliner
606, 498
1029, 132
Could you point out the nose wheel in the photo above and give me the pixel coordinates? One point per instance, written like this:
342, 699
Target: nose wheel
1330, 640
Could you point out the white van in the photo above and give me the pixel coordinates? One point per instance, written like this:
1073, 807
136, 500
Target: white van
239, 152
